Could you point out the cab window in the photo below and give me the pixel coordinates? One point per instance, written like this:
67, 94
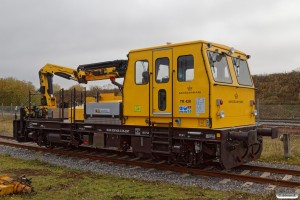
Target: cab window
242, 71
162, 70
219, 67
141, 72
185, 68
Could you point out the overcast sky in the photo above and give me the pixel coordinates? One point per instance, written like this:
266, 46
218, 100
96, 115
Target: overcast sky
74, 32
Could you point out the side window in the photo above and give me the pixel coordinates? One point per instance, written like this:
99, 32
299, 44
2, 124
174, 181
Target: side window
219, 67
162, 99
162, 70
141, 72
185, 68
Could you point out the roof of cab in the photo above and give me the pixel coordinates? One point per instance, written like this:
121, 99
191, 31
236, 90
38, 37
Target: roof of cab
170, 45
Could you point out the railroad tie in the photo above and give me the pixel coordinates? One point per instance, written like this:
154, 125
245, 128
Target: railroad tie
185, 175
136, 167
124, 157
169, 172
161, 162
63, 156
265, 174
208, 168
224, 181
150, 170
245, 172
93, 153
111, 156
247, 184
270, 187
287, 177
134, 159
225, 170
86, 160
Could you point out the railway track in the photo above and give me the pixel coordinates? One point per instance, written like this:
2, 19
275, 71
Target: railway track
6, 137
271, 170
279, 122
128, 159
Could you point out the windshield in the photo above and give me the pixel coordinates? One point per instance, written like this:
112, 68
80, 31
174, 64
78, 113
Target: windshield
242, 71
219, 67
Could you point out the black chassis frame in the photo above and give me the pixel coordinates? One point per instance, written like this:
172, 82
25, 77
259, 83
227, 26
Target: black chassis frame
232, 152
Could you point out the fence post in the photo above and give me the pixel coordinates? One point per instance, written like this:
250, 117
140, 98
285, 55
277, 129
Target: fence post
286, 145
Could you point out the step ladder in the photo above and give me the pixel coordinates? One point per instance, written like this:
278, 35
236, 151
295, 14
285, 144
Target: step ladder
161, 138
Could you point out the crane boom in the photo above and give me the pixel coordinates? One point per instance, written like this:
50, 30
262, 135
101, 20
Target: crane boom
102, 70
83, 74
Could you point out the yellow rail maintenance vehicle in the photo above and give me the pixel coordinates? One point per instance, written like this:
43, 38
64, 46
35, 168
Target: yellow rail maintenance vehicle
188, 103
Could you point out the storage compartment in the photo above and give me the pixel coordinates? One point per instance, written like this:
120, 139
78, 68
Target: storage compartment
98, 140
120, 142
141, 144
112, 141
102, 109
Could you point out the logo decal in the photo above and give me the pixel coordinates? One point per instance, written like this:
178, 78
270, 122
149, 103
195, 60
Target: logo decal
236, 96
137, 108
185, 109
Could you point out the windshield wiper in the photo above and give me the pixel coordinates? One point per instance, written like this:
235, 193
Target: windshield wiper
211, 61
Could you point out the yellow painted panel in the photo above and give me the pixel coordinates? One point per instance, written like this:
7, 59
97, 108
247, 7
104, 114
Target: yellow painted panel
161, 89
236, 106
191, 100
136, 120
79, 116
136, 96
236, 99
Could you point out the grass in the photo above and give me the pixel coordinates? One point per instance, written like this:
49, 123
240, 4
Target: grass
6, 124
273, 149
52, 182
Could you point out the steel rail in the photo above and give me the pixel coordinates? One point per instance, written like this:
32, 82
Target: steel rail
270, 169
7, 137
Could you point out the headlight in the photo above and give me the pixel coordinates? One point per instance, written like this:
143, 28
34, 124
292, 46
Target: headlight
254, 112
222, 114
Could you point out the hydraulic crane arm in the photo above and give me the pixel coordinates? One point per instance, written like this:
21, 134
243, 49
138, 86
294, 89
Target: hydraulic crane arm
102, 70
46, 82
85, 73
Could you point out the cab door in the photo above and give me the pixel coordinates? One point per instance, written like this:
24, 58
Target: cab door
162, 80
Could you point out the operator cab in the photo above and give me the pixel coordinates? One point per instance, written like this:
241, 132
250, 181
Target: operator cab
189, 85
